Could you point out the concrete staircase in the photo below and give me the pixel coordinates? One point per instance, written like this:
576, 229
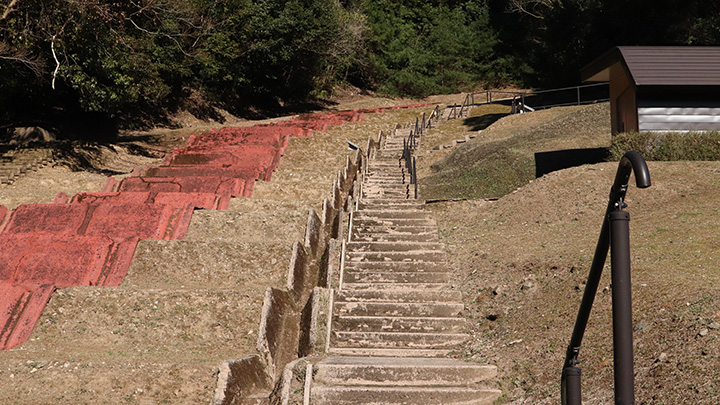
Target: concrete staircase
395, 316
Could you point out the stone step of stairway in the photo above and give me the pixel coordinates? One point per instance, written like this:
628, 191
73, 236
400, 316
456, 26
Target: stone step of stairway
340, 395
399, 324
384, 161
410, 340
391, 204
388, 194
389, 170
400, 190
404, 371
399, 230
379, 197
389, 184
394, 222
390, 267
363, 246
382, 181
395, 187
393, 214
359, 351
395, 286
413, 309
399, 296
416, 256
396, 171
391, 154
390, 237
352, 276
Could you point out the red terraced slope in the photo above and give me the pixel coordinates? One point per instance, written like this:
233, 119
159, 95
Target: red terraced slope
90, 238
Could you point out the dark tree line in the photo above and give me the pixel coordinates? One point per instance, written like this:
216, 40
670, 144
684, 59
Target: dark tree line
134, 59
551, 40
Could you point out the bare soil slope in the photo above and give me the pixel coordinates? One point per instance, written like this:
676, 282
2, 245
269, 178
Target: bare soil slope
185, 306
522, 261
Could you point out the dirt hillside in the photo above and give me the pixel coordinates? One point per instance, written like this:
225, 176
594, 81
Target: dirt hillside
522, 261
187, 305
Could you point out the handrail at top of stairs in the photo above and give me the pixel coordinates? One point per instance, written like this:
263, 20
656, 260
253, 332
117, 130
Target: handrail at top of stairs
409, 144
614, 235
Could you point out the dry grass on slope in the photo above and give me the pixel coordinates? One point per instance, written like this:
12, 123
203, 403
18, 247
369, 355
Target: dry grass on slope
502, 157
521, 263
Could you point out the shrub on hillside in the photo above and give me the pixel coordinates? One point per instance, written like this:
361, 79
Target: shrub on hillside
668, 146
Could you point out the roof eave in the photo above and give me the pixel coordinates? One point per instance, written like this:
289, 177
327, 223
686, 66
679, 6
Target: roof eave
599, 69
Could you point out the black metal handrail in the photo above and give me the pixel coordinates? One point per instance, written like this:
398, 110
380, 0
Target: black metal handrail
513, 96
408, 159
614, 235
434, 115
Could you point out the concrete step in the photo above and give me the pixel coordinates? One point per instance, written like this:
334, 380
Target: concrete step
362, 246
393, 214
396, 175
360, 351
389, 184
389, 237
383, 192
383, 161
384, 187
395, 286
392, 204
394, 198
412, 371
389, 167
400, 296
390, 155
339, 395
387, 173
384, 181
410, 340
393, 222
395, 229
413, 256
413, 309
399, 324
353, 276
390, 267
387, 194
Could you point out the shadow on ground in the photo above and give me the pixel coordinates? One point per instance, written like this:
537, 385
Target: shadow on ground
483, 121
547, 162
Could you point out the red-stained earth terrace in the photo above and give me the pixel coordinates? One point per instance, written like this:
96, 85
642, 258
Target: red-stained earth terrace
90, 238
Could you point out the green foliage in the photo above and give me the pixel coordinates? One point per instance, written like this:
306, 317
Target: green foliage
429, 47
668, 146
135, 58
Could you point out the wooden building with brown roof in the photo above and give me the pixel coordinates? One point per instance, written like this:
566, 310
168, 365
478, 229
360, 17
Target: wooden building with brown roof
660, 88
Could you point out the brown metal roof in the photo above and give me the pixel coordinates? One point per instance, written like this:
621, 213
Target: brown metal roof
660, 65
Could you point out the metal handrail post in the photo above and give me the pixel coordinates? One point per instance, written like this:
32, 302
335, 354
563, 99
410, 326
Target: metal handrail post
403, 152
414, 176
622, 307
578, 95
570, 383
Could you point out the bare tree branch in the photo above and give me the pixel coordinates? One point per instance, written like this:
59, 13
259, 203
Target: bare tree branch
8, 9
10, 54
57, 66
528, 7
